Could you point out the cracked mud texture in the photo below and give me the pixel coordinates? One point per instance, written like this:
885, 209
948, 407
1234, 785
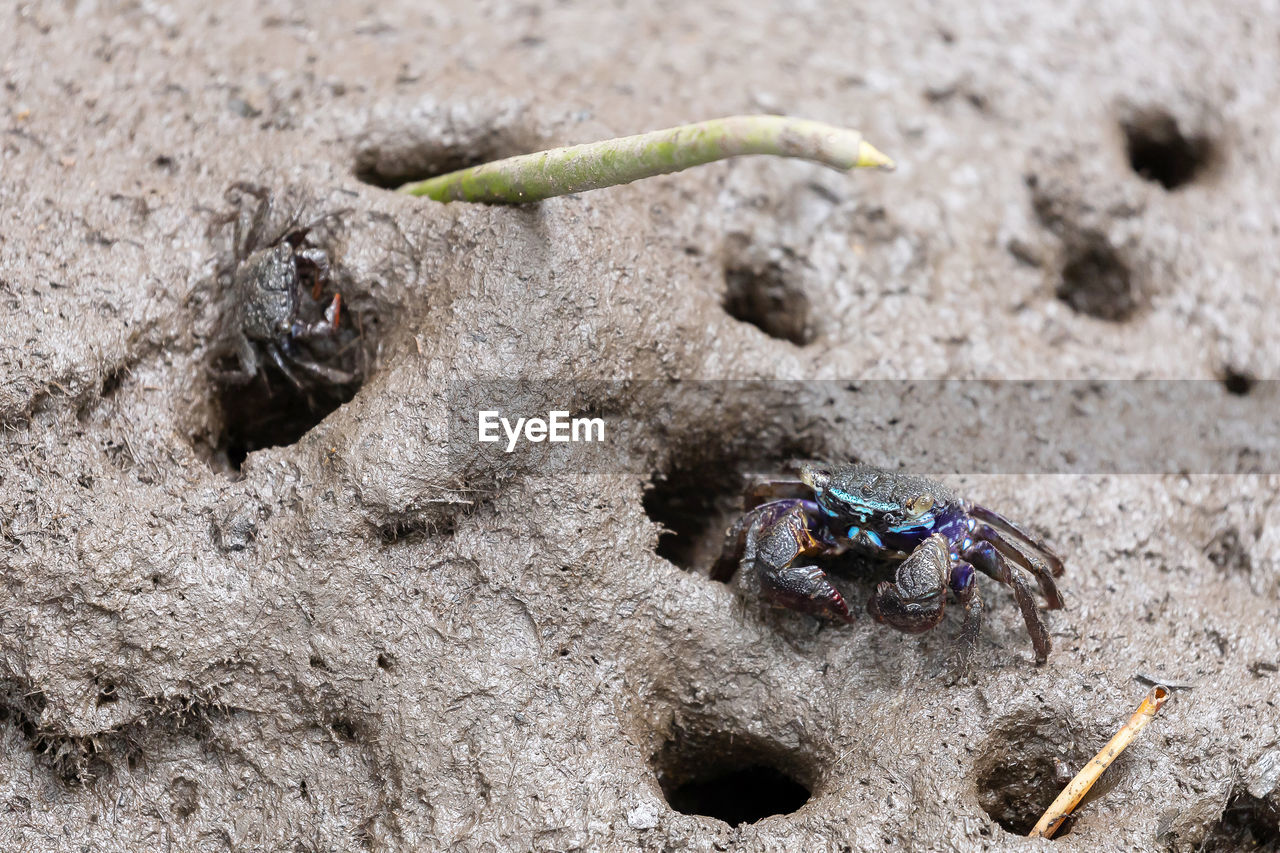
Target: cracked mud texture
358, 641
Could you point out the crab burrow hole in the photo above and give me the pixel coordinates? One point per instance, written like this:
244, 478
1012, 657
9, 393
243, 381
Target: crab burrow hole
731, 777
1238, 383
770, 297
1247, 823
275, 408
1159, 151
440, 141
764, 286
1096, 281
697, 496
1026, 763
694, 503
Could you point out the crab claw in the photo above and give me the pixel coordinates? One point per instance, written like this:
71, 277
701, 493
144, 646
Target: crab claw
806, 588
914, 603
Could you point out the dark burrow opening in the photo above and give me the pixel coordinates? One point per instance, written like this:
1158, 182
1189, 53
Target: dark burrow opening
697, 499
730, 777
1026, 764
270, 412
1015, 796
1159, 151
72, 760
1096, 281
403, 159
770, 298
1247, 823
431, 160
1237, 382
748, 435
412, 530
695, 504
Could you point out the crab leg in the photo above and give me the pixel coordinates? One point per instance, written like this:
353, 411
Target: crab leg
248, 224
986, 559
319, 259
278, 357
322, 328
735, 540
993, 517
1043, 574
773, 490
329, 374
966, 591
247, 361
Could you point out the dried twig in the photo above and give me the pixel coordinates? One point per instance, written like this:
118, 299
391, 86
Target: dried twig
534, 177
1071, 795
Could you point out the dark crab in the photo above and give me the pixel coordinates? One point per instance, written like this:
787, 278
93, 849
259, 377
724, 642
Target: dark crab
937, 539
270, 284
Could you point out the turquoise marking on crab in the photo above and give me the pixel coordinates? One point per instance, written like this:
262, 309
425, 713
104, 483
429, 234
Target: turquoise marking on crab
923, 523
857, 504
862, 535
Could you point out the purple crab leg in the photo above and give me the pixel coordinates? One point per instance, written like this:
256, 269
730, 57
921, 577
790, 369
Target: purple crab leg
1043, 574
993, 517
965, 587
986, 559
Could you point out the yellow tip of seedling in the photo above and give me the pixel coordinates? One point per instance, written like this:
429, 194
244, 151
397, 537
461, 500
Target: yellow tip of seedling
870, 157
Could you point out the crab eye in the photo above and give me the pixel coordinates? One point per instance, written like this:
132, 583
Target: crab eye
919, 505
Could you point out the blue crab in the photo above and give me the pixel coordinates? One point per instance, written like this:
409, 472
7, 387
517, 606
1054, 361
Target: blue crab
938, 541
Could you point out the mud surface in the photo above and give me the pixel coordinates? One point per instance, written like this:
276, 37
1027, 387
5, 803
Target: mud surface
356, 641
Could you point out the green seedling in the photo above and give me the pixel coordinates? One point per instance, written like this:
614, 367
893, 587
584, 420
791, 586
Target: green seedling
595, 165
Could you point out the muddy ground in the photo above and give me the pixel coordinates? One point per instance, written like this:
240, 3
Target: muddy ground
360, 638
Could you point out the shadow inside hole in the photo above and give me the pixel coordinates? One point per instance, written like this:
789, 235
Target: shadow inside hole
1027, 763
702, 492
771, 299
735, 434
1160, 152
698, 498
695, 505
413, 530
734, 778
396, 163
1247, 823
1237, 382
432, 161
345, 730
1016, 795
1097, 282
271, 412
